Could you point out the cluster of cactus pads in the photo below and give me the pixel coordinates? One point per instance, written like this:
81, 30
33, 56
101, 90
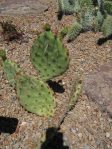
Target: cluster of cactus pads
50, 58
34, 95
89, 15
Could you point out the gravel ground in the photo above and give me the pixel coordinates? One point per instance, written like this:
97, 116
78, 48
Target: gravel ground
86, 127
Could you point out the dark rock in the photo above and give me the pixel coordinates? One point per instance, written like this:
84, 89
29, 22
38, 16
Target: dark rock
11, 7
98, 87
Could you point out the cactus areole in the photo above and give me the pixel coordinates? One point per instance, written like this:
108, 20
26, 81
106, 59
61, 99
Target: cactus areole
49, 56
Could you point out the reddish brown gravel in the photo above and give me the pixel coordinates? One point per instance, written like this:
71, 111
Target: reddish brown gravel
85, 127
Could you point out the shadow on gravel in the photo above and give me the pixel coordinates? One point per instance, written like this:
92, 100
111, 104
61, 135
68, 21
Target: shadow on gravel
53, 141
8, 125
56, 86
103, 40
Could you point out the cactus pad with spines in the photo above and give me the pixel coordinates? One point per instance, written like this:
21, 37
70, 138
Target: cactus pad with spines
108, 6
66, 6
101, 6
63, 32
49, 56
100, 18
74, 31
87, 20
75, 94
86, 3
10, 70
35, 96
107, 26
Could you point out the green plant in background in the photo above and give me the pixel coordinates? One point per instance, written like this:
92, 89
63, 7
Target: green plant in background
63, 32
66, 6
73, 6
49, 56
88, 16
87, 20
108, 6
107, 26
74, 31
34, 95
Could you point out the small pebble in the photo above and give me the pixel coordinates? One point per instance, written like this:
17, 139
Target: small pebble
107, 134
73, 130
80, 135
23, 123
86, 147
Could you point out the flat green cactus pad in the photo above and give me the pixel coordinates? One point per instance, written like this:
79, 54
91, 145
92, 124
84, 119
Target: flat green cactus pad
77, 89
49, 56
74, 31
87, 20
35, 96
66, 6
10, 69
86, 3
63, 32
108, 6
107, 26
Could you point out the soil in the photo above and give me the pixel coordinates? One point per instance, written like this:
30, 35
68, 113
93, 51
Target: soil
85, 127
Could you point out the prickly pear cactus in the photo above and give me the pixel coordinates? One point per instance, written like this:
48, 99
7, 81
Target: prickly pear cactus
107, 26
10, 70
49, 56
91, 15
66, 6
74, 31
100, 19
75, 94
63, 32
85, 3
35, 96
86, 20
71, 6
108, 6
101, 5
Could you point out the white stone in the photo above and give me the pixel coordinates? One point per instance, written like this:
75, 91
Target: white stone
80, 135
107, 134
